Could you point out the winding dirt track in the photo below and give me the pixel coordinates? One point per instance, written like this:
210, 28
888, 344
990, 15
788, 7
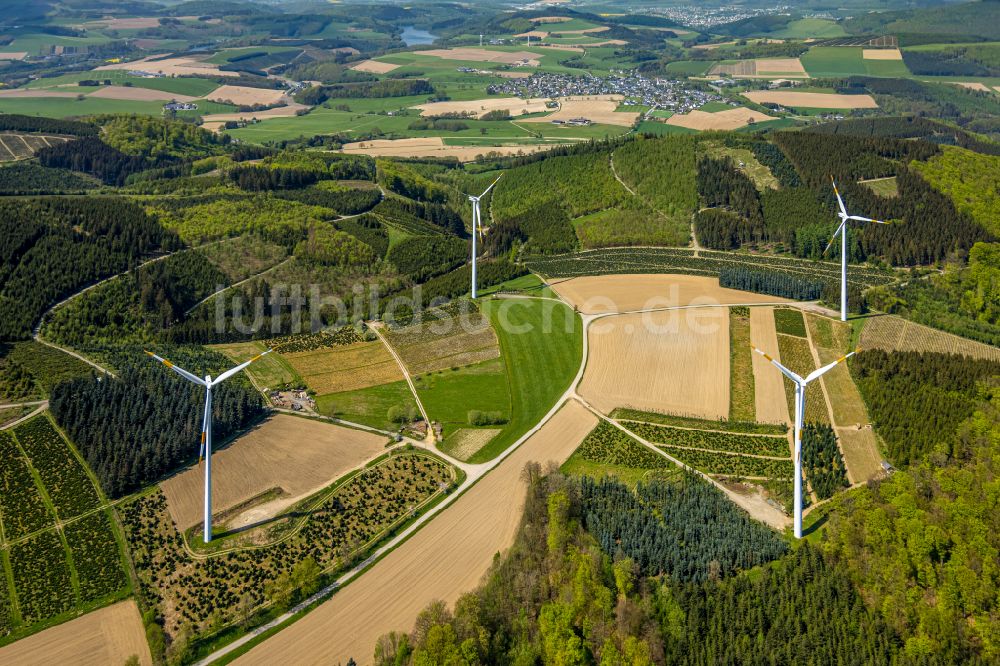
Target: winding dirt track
445, 559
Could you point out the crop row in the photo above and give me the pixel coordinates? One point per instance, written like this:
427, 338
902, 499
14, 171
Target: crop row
821, 459
608, 445
716, 441
41, 577
188, 591
6, 621
95, 556
21, 506
68, 485
735, 465
676, 260
288, 344
751, 427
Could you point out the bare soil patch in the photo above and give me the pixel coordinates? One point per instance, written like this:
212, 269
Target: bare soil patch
107, 636
480, 107
13, 55
721, 120
881, 54
594, 294
674, 362
297, 455
595, 108
445, 559
812, 100
138, 94
375, 67
768, 386
246, 96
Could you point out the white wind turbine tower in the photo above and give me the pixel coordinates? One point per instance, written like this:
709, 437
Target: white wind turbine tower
206, 427
800, 408
477, 227
842, 230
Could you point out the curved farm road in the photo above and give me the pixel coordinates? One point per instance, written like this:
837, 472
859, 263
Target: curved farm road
442, 561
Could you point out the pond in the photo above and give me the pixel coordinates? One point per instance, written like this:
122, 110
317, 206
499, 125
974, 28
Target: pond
413, 36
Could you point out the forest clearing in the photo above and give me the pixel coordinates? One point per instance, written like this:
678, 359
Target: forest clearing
296, 456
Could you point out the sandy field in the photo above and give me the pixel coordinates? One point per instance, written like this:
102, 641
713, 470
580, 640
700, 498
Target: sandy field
480, 107
779, 65
484, 55
597, 108
245, 96
435, 147
594, 294
298, 455
721, 120
138, 94
768, 386
812, 100
446, 558
674, 362
881, 54
107, 636
893, 333
168, 66
22, 92
14, 55
375, 67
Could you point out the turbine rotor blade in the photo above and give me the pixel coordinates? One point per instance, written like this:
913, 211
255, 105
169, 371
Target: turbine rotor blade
180, 371
785, 371
204, 429
830, 366
834, 237
491, 186
232, 371
865, 219
840, 201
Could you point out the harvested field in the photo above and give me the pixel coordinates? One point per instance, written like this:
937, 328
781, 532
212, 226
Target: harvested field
769, 389
881, 54
720, 120
812, 100
445, 559
484, 55
594, 294
107, 636
480, 107
466, 442
297, 455
375, 67
861, 453
447, 343
893, 333
537, 34
764, 68
596, 108
435, 147
13, 55
779, 65
21, 92
246, 96
674, 362
169, 66
346, 368
138, 94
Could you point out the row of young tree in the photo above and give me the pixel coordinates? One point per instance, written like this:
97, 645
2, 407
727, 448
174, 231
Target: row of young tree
16, 122
557, 597
774, 283
146, 422
51, 247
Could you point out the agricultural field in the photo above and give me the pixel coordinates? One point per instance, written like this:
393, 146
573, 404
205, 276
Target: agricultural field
796, 355
61, 473
730, 119
46, 366
893, 333
789, 322
445, 343
273, 466
464, 443
731, 465
375, 406
741, 379
346, 368
712, 440
811, 100
674, 361
337, 528
243, 256
271, 371
769, 388
608, 445
21, 505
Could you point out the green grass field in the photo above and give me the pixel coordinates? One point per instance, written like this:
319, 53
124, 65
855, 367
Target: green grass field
834, 61
690, 67
269, 372
449, 395
226, 55
887, 68
367, 406
63, 107
653, 127
185, 85
541, 343
810, 27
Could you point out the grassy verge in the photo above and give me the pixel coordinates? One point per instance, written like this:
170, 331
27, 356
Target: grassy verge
742, 405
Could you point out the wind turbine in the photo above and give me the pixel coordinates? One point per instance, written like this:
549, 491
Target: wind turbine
206, 424
842, 230
800, 408
477, 227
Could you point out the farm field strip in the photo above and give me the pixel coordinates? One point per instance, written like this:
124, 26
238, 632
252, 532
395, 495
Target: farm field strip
732, 464
769, 388
767, 446
893, 333
352, 367
741, 380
